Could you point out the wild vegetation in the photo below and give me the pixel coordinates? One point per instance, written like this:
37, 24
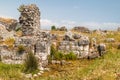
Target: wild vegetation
57, 55
106, 67
30, 63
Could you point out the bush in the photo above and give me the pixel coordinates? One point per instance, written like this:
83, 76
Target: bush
53, 51
58, 56
31, 63
20, 49
53, 28
70, 56
54, 54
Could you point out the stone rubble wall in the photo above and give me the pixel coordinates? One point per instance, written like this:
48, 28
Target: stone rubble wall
33, 39
76, 43
29, 19
72, 46
38, 41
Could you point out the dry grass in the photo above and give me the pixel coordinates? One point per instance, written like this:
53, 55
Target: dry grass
58, 32
103, 68
9, 42
6, 20
19, 33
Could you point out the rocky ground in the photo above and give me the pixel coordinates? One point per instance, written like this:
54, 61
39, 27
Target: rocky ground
106, 67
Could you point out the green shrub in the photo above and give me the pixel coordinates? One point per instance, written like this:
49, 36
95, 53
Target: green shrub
58, 56
21, 8
55, 54
70, 56
53, 51
30, 63
53, 27
20, 49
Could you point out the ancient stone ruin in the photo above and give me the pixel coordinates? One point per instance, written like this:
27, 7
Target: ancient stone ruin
79, 46
32, 38
13, 48
29, 19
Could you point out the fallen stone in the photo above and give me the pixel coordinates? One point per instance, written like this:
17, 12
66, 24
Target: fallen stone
35, 75
39, 74
118, 46
28, 76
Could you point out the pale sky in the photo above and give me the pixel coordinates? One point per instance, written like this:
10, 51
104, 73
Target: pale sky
94, 14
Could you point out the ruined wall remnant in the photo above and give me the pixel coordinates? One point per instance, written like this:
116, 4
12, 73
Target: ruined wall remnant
79, 45
32, 38
10, 24
29, 19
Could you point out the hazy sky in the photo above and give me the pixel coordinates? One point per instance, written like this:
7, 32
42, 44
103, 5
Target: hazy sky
94, 14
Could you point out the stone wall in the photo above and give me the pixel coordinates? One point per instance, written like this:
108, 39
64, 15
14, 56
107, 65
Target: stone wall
32, 39
73, 46
79, 46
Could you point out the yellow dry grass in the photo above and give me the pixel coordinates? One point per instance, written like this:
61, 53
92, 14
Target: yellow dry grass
5, 20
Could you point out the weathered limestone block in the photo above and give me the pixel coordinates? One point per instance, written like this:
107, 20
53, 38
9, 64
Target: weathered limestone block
25, 41
76, 36
68, 36
40, 47
83, 42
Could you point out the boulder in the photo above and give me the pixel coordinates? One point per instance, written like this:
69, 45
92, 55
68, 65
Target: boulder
101, 48
68, 36
83, 41
76, 36
93, 55
81, 29
29, 76
118, 46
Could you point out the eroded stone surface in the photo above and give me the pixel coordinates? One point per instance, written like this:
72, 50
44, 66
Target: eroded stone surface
29, 19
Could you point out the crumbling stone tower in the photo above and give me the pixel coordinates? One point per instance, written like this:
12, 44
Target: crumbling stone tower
29, 19
32, 37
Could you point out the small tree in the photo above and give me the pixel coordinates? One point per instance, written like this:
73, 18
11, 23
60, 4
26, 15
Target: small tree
52, 51
30, 63
53, 27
